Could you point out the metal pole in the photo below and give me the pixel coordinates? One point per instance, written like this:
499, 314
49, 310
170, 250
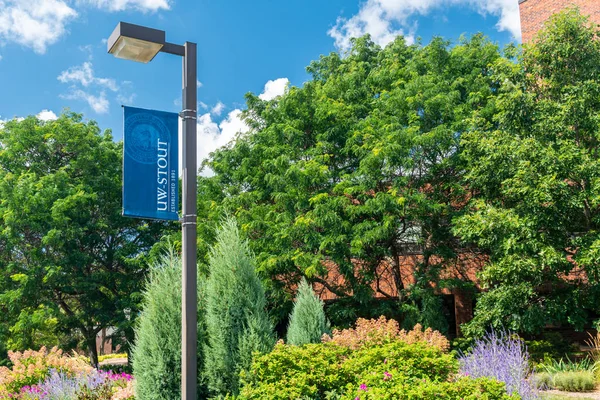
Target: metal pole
189, 316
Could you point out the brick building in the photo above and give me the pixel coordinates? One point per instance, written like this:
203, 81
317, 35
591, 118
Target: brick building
458, 302
535, 12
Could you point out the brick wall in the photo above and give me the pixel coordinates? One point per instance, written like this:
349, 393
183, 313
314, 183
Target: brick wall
535, 12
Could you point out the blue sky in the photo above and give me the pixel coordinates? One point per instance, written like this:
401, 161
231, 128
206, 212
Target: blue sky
53, 52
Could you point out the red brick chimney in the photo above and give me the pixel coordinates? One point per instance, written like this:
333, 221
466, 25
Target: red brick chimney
535, 12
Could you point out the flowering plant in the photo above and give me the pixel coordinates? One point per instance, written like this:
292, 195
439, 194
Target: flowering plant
381, 331
504, 357
30, 367
94, 385
126, 392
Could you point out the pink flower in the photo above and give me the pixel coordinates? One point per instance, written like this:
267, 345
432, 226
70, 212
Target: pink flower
386, 376
363, 387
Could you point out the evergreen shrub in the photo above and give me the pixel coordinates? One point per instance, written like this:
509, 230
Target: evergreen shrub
156, 355
236, 318
307, 320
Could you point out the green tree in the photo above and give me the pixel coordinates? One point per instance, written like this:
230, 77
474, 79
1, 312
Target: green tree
357, 171
157, 350
236, 319
307, 320
534, 172
69, 260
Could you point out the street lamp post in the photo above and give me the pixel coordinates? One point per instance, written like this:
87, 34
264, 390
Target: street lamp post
138, 43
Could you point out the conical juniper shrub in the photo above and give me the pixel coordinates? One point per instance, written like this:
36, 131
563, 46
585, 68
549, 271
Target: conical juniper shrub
157, 351
307, 320
236, 320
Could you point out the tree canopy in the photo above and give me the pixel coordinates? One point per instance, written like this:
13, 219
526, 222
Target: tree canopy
70, 263
535, 174
360, 163
439, 151
427, 152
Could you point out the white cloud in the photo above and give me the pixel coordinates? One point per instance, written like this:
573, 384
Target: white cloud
4, 121
47, 115
88, 49
98, 103
274, 88
218, 109
120, 5
212, 136
202, 105
199, 84
386, 19
0, 57
84, 83
34, 23
44, 115
38, 24
126, 100
84, 75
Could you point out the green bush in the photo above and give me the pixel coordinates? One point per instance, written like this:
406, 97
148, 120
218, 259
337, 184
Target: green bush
416, 360
328, 371
156, 356
462, 389
462, 345
551, 345
291, 372
574, 381
236, 320
543, 380
117, 369
307, 320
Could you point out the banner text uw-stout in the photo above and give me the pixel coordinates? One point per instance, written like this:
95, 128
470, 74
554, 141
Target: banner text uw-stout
150, 164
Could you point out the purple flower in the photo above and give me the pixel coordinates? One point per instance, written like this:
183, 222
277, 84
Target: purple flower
61, 386
503, 357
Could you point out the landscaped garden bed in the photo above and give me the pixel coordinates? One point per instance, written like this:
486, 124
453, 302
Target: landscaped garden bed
51, 375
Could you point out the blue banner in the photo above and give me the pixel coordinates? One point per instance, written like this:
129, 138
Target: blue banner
150, 164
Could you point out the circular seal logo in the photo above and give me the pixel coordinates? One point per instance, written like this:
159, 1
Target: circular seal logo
143, 132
